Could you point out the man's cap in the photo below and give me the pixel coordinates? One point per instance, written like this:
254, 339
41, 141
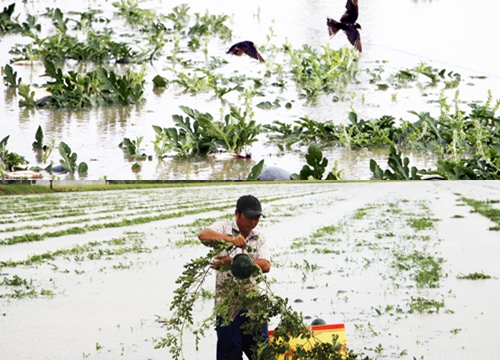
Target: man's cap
249, 205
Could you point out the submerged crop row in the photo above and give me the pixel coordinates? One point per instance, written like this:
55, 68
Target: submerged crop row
466, 144
364, 254
386, 243
126, 214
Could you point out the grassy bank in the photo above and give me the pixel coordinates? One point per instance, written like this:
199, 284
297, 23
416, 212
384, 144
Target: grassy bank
40, 189
24, 189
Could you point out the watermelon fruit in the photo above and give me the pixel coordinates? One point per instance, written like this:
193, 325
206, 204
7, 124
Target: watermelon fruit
318, 321
242, 266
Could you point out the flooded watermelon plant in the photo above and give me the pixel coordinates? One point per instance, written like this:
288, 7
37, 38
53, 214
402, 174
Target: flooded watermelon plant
308, 90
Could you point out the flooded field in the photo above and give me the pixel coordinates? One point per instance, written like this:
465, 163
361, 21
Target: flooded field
396, 36
91, 274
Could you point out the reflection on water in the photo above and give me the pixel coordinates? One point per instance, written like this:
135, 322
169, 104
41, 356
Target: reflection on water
112, 117
390, 43
10, 93
201, 167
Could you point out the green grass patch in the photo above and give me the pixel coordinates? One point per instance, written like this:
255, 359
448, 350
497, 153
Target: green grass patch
359, 214
91, 251
383, 235
473, 276
18, 294
16, 281
423, 268
423, 305
484, 208
421, 223
23, 189
325, 230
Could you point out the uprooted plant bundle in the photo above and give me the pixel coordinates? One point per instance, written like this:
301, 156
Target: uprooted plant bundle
253, 294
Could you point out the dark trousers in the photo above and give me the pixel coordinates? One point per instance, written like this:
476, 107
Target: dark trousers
232, 343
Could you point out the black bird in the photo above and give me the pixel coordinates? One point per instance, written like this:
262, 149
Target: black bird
245, 47
348, 24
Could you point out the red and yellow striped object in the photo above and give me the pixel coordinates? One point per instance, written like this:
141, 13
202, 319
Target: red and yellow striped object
322, 333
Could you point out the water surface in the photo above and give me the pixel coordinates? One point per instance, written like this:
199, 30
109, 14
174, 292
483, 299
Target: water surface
450, 34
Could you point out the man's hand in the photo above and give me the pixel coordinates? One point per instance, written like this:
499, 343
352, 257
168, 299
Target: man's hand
239, 241
220, 261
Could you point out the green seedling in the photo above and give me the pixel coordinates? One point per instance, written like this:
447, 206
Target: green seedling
179, 16
69, 159
316, 166
319, 73
28, 95
47, 150
38, 143
131, 11
133, 147
9, 159
400, 169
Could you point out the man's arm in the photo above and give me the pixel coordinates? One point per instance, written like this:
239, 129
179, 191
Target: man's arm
208, 234
264, 264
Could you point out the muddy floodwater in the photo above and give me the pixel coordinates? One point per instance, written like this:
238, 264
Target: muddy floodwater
454, 35
390, 262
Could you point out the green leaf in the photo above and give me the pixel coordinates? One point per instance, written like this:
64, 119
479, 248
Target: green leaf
265, 105
160, 81
256, 171
314, 158
51, 71
11, 76
157, 129
130, 146
38, 143
28, 95
331, 176
378, 174
3, 143
69, 159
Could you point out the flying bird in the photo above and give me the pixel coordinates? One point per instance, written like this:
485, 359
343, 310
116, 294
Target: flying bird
348, 24
245, 47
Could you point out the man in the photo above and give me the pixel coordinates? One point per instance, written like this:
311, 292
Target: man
231, 341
